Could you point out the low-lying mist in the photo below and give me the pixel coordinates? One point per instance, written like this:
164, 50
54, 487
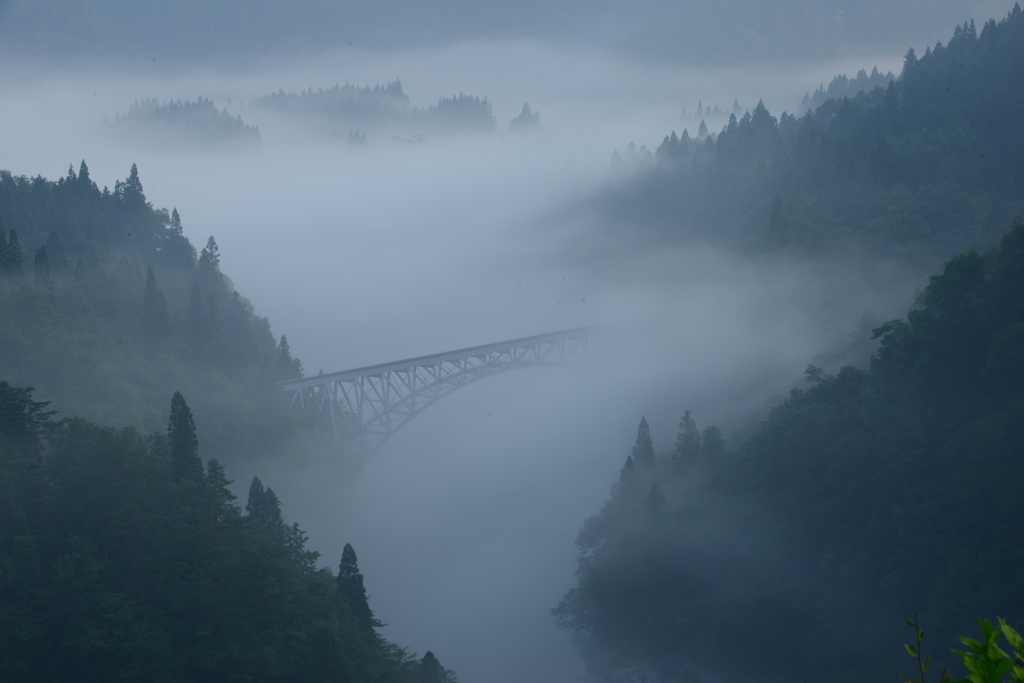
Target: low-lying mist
464, 521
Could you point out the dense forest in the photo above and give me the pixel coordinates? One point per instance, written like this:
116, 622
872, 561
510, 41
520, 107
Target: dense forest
842, 86
196, 122
795, 549
869, 496
913, 173
124, 557
382, 106
107, 309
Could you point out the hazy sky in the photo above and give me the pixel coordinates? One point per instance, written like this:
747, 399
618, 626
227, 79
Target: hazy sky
464, 522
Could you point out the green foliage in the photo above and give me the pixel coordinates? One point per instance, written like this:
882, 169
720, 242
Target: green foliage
984, 660
182, 441
113, 567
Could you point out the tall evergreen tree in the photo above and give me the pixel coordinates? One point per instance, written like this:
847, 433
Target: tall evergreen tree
287, 367
687, 442
181, 437
210, 277
429, 670
83, 175
264, 509
643, 450
175, 225
3, 249
155, 319
179, 252
350, 587
130, 191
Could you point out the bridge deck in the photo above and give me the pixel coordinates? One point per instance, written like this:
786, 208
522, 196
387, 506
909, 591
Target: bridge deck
318, 380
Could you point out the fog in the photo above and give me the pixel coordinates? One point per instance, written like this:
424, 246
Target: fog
464, 521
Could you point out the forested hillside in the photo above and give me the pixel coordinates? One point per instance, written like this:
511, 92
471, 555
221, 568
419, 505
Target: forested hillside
915, 172
861, 500
107, 309
124, 558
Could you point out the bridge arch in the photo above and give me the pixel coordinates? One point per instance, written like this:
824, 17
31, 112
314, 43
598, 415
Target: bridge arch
371, 404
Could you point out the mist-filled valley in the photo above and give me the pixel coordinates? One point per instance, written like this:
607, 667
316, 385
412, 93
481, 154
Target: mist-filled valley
809, 253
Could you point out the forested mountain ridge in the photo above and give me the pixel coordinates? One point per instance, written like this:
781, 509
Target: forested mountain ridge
868, 497
124, 558
107, 309
197, 122
383, 106
915, 172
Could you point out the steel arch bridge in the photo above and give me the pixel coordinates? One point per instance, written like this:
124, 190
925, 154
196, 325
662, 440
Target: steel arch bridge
372, 403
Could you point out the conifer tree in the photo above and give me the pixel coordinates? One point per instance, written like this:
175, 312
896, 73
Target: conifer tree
217, 483
643, 450
209, 275
130, 191
350, 587
83, 175
155, 319
264, 509
3, 249
181, 437
287, 367
687, 442
179, 252
429, 670
175, 225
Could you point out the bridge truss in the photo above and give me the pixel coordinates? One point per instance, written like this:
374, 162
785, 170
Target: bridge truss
370, 404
